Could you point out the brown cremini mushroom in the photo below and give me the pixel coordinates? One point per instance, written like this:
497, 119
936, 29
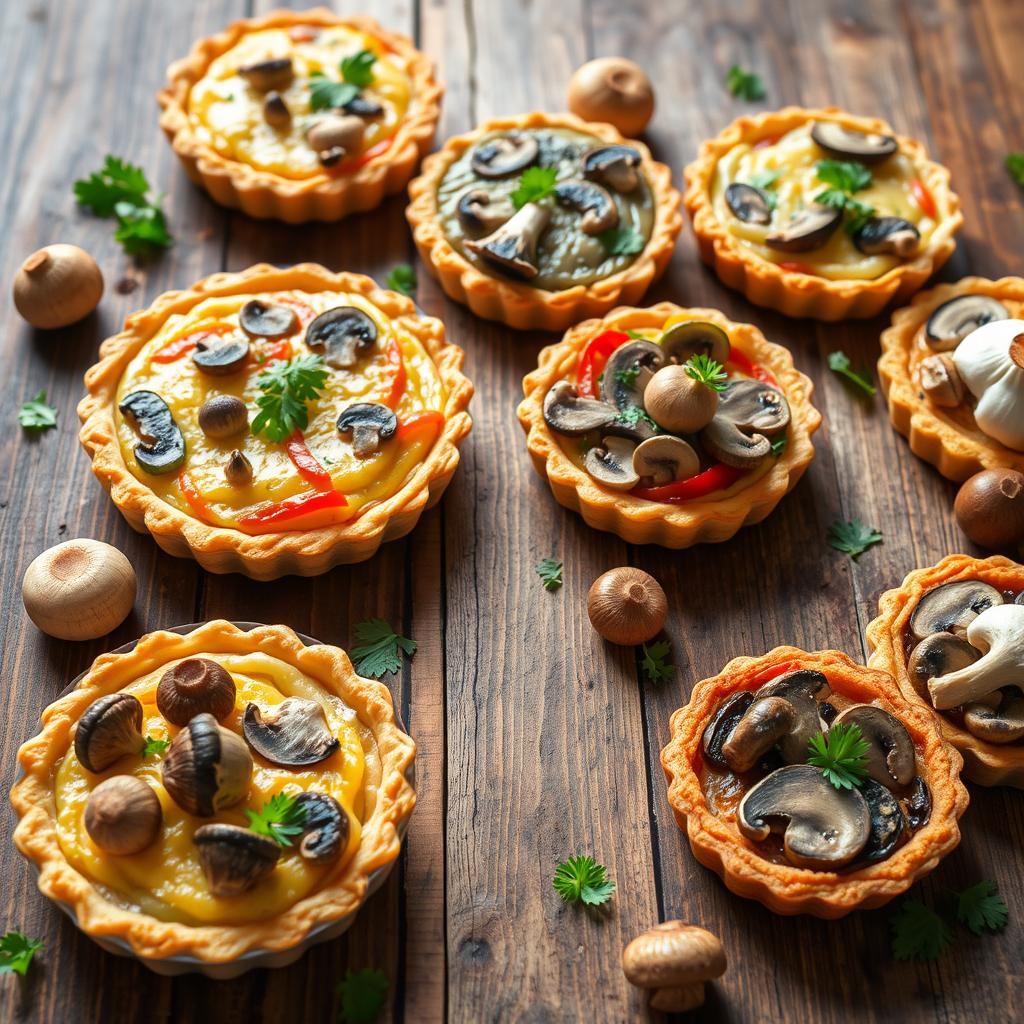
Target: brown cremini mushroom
567, 412
325, 829
57, 286
123, 815
763, 724
195, 686
891, 759
267, 320
342, 335
110, 728
275, 110
223, 416
238, 471
802, 688
663, 459
587, 197
673, 961
952, 607
937, 655
234, 859
951, 322
718, 730
613, 90
614, 165
1003, 723
513, 246
478, 210
336, 132
627, 606
293, 733
206, 767
989, 508
678, 402
611, 463
264, 75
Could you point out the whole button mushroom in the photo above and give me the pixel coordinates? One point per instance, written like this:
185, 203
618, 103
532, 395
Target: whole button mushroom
627, 606
989, 508
109, 729
679, 402
234, 859
674, 961
123, 815
206, 767
223, 416
344, 133
79, 590
613, 90
57, 286
193, 687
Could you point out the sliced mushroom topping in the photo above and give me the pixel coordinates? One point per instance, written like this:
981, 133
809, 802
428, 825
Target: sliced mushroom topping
767, 720
827, 712
222, 356
941, 381
919, 804
238, 471
663, 459
725, 441
801, 688
887, 821
598, 208
808, 230
223, 416
478, 210
293, 733
754, 406
952, 607
951, 322
565, 412
206, 767
109, 728
363, 106
1002, 724
267, 320
336, 132
275, 111
887, 235
513, 246
891, 758
325, 831
722, 723
269, 74
749, 204
369, 423
938, 655
161, 447
233, 858
615, 165
849, 144
331, 157
620, 385
823, 827
342, 335
690, 338
504, 155
612, 464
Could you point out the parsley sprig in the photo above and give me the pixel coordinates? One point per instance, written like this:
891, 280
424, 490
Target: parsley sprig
626, 241
746, 85
535, 183
379, 652
281, 818
920, 932
765, 181
16, 952
362, 994
633, 414
152, 746
402, 279
839, 363
1014, 164
356, 73
841, 755
853, 538
550, 572
656, 662
287, 386
35, 414
981, 908
581, 879
703, 369
845, 178
120, 189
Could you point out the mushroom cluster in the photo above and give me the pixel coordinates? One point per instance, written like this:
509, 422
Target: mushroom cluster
665, 412
760, 741
966, 643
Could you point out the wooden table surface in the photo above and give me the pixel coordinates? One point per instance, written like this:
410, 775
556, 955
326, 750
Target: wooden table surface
536, 740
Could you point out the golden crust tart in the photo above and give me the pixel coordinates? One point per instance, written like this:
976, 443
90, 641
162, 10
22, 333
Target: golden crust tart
775, 825
819, 213
278, 798
952, 636
952, 369
276, 420
668, 425
542, 220
301, 115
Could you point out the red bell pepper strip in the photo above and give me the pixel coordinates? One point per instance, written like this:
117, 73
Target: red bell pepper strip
348, 166
305, 312
768, 140
593, 360
307, 463
422, 423
303, 33
175, 350
749, 368
273, 351
264, 520
774, 671
716, 478
396, 367
923, 197
191, 494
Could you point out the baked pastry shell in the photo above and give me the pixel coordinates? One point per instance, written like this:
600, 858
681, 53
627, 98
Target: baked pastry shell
636, 520
955, 450
520, 305
987, 764
804, 295
302, 552
784, 889
229, 950
324, 197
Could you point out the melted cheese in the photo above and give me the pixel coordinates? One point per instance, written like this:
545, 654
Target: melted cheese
166, 880
226, 112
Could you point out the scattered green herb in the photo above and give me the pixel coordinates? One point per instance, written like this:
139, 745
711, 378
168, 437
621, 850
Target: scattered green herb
839, 362
357, 68
853, 538
627, 378
379, 652
536, 183
765, 180
35, 414
981, 908
152, 746
582, 880
918, 933
402, 279
841, 755
362, 995
1015, 165
745, 84
705, 370
633, 414
16, 952
845, 177
779, 445
622, 241
287, 386
636, 335
550, 572
656, 663
140, 228
281, 818
327, 94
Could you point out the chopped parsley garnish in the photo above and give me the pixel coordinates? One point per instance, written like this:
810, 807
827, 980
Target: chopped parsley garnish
918, 933
582, 880
362, 994
287, 386
779, 445
152, 746
550, 572
357, 68
655, 662
846, 177
1015, 165
356, 73
379, 652
705, 370
281, 818
852, 538
633, 414
841, 755
402, 279
35, 414
627, 378
746, 85
622, 241
16, 952
981, 908
764, 181
536, 183
839, 362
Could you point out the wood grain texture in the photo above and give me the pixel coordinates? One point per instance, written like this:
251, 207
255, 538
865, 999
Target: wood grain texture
536, 740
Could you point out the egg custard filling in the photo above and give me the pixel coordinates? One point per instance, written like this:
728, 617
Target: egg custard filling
278, 411
298, 100
826, 200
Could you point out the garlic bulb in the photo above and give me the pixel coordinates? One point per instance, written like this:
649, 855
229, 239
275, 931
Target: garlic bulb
991, 363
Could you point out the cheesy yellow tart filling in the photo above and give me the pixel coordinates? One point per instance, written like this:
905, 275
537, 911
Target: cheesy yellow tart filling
266, 101
188, 407
166, 879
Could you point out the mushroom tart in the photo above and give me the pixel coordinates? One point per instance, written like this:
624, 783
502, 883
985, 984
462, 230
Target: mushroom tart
542, 220
952, 636
668, 425
818, 213
810, 784
952, 369
262, 821
277, 420
301, 115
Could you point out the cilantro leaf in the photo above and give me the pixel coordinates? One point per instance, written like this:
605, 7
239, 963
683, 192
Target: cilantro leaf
16, 952
845, 175
745, 84
287, 386
141, 228
151, 746
839, 362
362, 995
35, 414
655, 663
841, 755
918, 933
378, 654
852, 538
281, 818
705, 370
622, 241
981, 908
325, 93
116, 181
779, 445
582, 880
357, 68
402, 279
1014, 163
550, 572
536, 183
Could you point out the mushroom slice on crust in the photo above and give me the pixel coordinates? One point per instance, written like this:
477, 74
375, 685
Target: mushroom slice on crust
665, 458
612, 464
754, 405
513, 246
801, 688
325, 830
233, 858
369, 423
565, 412
941, 381
267, 320
293, 733
222, 357
823, 827
614, 165
479, 210
727, 443
690, 338
887, 235
341, 335
891, 758
998, 632
504, 155
748, 204
951, 322
722, 723
887, 821
808, 230
919, 804
766, 721
952, 607
587, 197
1001, 724
620, 385
849, 144
938, 655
